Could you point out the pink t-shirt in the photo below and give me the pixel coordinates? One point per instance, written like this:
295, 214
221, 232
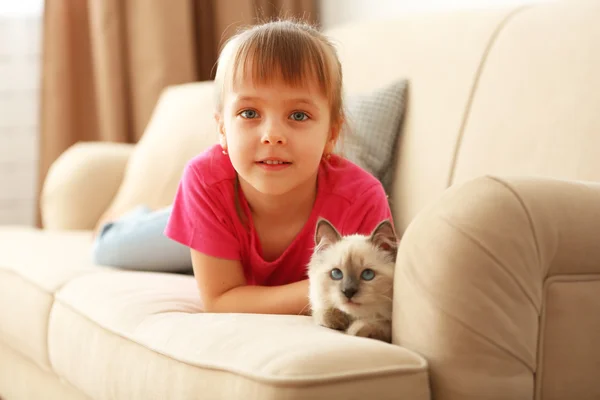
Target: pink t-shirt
204, 215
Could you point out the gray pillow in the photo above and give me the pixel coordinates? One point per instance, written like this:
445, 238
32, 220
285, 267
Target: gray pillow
371, 132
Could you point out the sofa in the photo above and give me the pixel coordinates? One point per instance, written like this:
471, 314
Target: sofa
496, 194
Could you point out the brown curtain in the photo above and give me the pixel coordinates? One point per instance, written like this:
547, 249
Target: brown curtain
105, 62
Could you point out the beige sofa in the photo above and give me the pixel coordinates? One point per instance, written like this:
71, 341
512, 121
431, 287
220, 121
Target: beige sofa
497, 289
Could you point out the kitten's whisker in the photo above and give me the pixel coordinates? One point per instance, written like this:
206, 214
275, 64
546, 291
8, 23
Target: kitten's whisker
379, 320
303, 308
384, 296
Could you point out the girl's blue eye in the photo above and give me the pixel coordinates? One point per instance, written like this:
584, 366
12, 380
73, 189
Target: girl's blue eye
299, 116
367, 274
336, 274
249, 114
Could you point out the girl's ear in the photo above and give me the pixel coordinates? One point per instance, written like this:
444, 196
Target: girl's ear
221, 130
334, 135
219, 121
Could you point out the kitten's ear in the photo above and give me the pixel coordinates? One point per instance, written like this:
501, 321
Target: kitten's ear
384, 237
325, 234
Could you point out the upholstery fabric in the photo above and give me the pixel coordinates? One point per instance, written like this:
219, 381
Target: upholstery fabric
373, 126
159, 338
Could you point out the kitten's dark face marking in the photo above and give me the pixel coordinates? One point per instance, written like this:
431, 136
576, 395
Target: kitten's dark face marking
350, 283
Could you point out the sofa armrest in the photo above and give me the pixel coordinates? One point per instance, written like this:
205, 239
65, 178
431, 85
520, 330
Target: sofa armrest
81, 184
471, 277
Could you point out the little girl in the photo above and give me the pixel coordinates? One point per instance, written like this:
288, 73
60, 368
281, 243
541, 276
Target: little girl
247, 207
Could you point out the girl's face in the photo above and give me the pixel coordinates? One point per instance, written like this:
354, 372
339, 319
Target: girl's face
276, 134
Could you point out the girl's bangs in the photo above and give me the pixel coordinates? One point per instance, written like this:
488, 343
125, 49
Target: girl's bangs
266, 58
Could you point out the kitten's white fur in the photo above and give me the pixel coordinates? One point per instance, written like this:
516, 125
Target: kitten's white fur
370, 311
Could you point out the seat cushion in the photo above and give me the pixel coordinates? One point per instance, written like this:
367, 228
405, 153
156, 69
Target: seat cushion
140, 335
33, 265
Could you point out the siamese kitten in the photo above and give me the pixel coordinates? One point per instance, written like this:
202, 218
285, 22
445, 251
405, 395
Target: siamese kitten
351, 280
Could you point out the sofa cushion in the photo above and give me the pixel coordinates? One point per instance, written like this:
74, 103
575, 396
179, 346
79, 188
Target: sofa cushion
21, 378
33, 265
135, 335
373, 125
182, 126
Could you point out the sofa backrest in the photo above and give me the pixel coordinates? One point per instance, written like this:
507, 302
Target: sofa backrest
503, 91
441, 55
506, 91
536, 110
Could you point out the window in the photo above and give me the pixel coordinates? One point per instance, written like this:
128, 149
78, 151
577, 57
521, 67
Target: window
20, 51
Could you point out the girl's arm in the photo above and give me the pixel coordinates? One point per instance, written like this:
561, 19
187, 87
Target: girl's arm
223, 288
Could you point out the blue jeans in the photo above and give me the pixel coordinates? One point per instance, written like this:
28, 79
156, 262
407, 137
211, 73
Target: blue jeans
136, 241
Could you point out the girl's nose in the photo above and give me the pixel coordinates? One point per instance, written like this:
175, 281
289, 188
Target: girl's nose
272, 135
273, 139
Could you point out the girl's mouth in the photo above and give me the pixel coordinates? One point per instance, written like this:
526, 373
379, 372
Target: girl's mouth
273, 162
273, 165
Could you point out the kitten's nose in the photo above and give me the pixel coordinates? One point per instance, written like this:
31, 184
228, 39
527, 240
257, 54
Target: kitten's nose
349, 292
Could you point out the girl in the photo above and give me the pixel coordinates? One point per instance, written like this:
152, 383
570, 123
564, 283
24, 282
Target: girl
247, 208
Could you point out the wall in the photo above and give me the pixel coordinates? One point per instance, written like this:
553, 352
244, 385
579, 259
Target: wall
335, 12
20, 34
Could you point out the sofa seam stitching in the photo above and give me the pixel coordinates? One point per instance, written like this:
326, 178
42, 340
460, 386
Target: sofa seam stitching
470, 100
521, 202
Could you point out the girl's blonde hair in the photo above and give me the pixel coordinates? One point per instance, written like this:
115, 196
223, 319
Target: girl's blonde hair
283, 49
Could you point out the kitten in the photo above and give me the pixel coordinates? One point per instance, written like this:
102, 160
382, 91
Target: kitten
351, 280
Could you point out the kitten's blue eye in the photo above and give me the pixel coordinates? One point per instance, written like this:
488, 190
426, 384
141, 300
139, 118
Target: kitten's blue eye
299, 116
249, 114
336, 274
367, 274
